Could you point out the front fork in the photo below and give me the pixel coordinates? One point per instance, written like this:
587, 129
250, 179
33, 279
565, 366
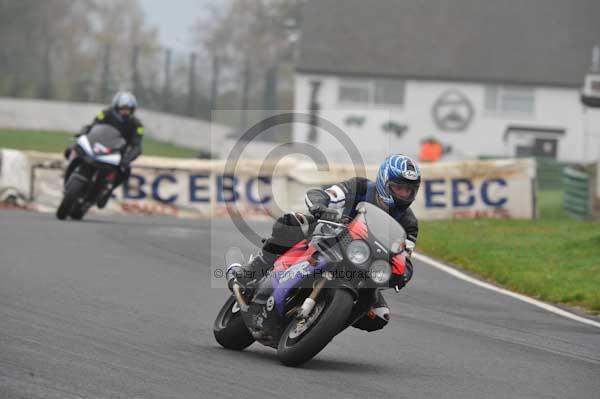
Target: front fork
108, 181
310, 302
239, 297
96, 183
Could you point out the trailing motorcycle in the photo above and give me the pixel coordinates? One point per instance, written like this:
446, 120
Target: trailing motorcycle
93, 168
315, 290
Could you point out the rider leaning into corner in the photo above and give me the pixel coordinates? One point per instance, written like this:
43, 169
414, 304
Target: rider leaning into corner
394, 190
119, 115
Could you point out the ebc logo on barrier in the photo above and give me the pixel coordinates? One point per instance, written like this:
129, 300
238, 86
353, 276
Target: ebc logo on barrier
196, 188
463, 193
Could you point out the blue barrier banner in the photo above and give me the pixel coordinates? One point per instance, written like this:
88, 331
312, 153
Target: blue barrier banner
449, 190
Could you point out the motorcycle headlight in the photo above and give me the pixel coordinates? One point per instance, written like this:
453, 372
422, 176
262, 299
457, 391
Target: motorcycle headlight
380, 271
358, 252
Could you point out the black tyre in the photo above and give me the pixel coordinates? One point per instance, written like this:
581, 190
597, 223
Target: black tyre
73, 188
334, 307
229, 329
77, 214
63, 209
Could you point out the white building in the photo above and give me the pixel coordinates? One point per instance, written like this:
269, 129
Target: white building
487, 78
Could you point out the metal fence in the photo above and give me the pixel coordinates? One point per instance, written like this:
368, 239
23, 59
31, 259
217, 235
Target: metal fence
578, 198
549, 173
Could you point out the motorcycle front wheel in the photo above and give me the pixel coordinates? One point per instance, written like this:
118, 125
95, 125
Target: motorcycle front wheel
77, 214
302, 339
73, 189
229, 329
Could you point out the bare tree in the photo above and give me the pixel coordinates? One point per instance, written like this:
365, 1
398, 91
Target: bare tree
55, 48
122, 29
86, 49
246, 41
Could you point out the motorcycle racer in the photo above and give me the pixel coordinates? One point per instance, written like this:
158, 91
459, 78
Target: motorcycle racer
119, 115
395, 188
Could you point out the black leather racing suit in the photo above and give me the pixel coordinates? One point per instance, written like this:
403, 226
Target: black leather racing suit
292, 227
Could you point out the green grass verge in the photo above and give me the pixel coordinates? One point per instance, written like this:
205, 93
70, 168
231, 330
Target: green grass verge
58, 141
554, 258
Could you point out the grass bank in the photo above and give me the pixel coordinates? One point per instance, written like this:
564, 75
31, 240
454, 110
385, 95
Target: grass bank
554, 258
58, 141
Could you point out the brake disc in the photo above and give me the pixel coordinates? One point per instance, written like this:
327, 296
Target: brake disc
303, 324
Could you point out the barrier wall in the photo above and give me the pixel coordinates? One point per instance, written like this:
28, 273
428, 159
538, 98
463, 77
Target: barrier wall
174, 188
15, 182
206, 189
70, 117
451, 190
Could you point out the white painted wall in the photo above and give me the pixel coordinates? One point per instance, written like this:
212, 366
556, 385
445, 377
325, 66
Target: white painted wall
68, 116
554, 108
15, 174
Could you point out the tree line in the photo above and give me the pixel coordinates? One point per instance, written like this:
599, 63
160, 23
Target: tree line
241, 56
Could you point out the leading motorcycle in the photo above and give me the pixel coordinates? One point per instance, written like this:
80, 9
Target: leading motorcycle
93, 168
318, 288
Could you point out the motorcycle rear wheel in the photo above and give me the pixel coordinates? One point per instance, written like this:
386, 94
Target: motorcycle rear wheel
229, 329
295, 349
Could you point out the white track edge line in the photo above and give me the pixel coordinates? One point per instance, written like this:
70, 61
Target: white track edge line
531, 301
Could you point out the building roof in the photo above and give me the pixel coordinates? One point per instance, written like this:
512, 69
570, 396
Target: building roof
540, 42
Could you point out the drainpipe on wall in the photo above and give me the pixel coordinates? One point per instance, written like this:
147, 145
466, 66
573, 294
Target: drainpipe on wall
596, 203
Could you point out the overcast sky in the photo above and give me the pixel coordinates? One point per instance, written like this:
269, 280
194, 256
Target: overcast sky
175, 19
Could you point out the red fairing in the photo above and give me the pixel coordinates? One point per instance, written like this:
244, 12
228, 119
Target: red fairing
298, 253
358, 230
399, 264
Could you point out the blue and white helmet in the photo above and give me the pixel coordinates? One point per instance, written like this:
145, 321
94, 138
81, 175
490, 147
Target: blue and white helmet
398, 181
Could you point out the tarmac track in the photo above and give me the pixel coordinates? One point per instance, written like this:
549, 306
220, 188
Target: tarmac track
122, 307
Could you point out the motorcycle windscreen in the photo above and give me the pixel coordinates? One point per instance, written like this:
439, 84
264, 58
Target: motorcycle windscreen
384, 228
104, 136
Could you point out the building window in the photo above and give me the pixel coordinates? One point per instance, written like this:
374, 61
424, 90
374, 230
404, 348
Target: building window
355, 91
510, 100
374, 91
389, 92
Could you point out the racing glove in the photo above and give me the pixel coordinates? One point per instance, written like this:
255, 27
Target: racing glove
322, 212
